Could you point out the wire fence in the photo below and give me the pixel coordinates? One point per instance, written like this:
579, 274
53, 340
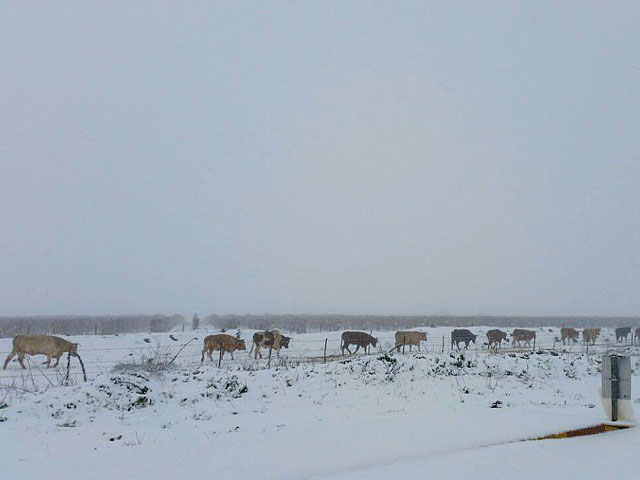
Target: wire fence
302, 350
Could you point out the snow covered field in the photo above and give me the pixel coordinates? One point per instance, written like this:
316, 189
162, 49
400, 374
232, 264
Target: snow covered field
376, 416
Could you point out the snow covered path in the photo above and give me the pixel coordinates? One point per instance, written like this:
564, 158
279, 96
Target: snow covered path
610, 455
441, 440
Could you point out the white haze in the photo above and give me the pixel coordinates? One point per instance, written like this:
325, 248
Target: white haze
410, 158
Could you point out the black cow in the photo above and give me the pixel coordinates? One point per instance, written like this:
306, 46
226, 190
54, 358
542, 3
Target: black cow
462, 335
360, 339
622, 333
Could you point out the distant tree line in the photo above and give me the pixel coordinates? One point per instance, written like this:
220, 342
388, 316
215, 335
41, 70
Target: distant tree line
87, 325
108, 325
324, 323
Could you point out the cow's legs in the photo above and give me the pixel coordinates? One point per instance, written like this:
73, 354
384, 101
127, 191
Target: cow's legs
21, 359
9, 357
209, 352
231, 354
357, 348
57, 361
48, 361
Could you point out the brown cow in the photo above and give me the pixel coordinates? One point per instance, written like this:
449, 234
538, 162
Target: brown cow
589, 335
520, 335
495, 338
269, 339
410, 338
360, 339
52, 347
223, 343
567, 334
636, 338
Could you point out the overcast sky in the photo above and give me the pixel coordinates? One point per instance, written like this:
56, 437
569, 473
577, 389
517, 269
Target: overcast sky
406, 158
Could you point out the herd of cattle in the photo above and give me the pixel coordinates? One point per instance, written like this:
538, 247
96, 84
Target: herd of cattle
274, 340
54, 347
520, 336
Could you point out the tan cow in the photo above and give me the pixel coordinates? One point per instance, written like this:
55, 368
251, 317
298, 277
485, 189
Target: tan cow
589, 335
52, 347
223, 343
567, 334
410, 338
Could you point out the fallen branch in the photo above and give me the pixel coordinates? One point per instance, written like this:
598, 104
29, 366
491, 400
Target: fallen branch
182, 348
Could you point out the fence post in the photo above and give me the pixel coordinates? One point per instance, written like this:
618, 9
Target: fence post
534, 343
325, 350
269, 362
443, 344
66, 380
615, 390
220, 358
404, 342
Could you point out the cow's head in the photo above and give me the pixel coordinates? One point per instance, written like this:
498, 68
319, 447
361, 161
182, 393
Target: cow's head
285, 341
473, 338
74, 348
240, 345
423, 336
374, 341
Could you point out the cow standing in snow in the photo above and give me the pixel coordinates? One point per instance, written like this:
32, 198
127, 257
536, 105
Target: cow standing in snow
360, 339
495, 338
223, 343
567, 334
589, 335
409, 338
520, 335
460, 335
269, 339
622, 333
52, 347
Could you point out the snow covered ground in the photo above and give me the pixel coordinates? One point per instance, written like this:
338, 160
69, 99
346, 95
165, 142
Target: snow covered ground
376, 416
